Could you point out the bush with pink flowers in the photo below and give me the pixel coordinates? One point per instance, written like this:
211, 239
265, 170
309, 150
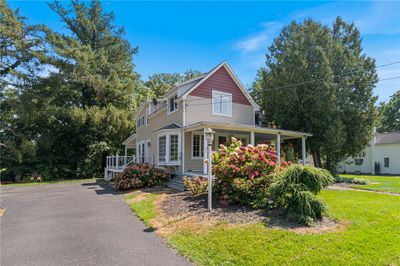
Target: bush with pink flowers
140, 175
245, 173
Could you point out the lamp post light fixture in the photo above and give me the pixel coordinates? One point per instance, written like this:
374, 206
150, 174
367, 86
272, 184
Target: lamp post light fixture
209, 135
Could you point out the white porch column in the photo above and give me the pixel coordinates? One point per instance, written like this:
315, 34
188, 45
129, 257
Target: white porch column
116, 161
205, 153
183, 152
303, 150
252, 139
278, 147
126, 154
183, 135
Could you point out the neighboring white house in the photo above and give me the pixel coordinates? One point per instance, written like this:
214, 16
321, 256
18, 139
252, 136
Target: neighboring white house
170, 130
382, 156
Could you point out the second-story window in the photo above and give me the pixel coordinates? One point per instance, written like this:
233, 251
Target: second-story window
140, 121
173, 104
221, 103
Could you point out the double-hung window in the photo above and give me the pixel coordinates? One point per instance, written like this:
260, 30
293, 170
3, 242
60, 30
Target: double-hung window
140, 121
386, 162
173, 104
221, 103
197, 145
162, 148
173, 148
168, 148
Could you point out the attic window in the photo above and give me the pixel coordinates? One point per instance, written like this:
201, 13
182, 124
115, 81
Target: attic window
221, 103
173, 104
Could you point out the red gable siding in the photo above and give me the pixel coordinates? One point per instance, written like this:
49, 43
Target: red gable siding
220, 81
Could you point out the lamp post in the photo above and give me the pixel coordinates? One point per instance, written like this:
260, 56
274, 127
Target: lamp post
209, 134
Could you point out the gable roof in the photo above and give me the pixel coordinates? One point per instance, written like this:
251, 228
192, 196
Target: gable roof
233, 76
388, 138
185, 88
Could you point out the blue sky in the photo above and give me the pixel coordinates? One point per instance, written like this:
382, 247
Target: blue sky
176, 36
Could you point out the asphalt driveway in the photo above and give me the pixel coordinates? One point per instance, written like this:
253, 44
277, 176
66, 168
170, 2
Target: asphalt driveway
76, 224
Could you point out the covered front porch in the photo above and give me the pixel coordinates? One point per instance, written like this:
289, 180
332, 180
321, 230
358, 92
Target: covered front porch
195, 145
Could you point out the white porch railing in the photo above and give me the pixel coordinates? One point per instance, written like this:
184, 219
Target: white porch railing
118, 162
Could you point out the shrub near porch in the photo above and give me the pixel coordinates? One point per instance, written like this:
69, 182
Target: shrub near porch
245, 173
252, 176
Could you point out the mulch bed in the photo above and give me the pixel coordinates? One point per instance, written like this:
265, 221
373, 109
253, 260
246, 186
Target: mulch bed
184, 204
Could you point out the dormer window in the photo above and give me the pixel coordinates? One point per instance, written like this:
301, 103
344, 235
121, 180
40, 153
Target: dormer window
173, 104
221, 103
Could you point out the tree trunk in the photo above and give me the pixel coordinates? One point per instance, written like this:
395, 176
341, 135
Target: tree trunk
316, 158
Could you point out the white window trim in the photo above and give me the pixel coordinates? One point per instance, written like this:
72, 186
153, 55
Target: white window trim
139, 143
214, 92
201, 146
168, 105
168, 148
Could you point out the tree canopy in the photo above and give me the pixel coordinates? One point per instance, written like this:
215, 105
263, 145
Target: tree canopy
389, 114
22, 50
317, 79
161, 83
83, 107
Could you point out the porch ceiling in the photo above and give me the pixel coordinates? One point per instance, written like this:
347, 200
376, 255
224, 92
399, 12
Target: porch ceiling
260, 132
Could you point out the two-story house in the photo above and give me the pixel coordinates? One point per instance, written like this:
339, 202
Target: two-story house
170, 131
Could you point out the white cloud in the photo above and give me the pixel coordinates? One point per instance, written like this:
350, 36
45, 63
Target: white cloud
380, 18
259, 40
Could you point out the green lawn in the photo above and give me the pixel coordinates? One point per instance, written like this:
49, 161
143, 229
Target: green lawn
51, 182
372, 237
144, 209
378, 183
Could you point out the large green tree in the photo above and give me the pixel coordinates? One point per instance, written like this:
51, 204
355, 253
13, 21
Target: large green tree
22, 49
83, 108
317, 79
22, 57
389, 114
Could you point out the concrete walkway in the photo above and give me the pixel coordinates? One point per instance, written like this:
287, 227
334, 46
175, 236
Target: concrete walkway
76, 224
348, 187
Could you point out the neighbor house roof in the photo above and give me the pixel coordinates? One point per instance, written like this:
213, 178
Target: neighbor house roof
388, 138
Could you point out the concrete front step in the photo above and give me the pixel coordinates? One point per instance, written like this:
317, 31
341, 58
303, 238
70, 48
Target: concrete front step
176, 183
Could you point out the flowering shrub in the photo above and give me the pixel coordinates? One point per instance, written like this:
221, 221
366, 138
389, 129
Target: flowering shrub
197, 185
244, 173
140, 175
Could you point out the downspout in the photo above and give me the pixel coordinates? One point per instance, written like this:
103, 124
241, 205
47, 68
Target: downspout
183, 135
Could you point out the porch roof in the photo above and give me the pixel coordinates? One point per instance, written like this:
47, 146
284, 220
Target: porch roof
130, 141
285, 134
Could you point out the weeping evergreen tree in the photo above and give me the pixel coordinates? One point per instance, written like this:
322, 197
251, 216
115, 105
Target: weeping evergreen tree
317, 79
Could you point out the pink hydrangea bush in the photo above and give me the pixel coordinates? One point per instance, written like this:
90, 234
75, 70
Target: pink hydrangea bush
140, 175
245, 173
